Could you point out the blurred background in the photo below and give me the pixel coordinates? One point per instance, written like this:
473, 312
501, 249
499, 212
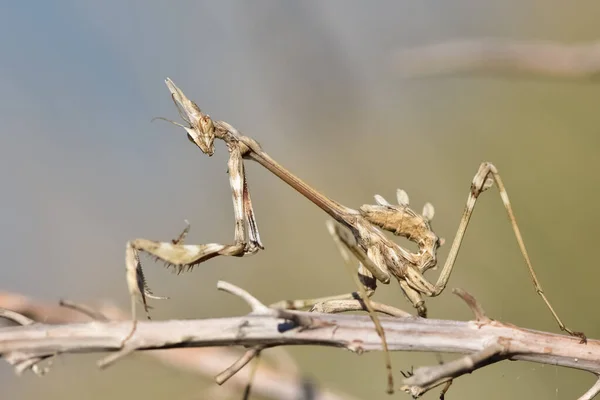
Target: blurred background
83, 169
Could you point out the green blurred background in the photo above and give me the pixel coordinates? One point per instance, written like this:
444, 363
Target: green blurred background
83, 170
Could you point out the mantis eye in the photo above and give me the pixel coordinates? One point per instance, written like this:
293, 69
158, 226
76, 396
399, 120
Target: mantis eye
190, 138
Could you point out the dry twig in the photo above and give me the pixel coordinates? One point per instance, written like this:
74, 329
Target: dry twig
277, 382
484, 342
536, 58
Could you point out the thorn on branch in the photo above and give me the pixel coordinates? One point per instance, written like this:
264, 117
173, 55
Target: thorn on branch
85, 310
257, 307
426, 378
33, 364
593, 391
114, 357
300, 320
473, 305
240, 363
15, 317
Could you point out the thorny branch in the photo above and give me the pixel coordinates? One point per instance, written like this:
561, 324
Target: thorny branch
535, 58
278, 379
483, 341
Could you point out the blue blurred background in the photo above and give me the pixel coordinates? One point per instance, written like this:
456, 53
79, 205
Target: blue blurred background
83, 170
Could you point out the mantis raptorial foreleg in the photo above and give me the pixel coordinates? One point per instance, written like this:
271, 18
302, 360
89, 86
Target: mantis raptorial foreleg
245, 222
175, 254
181, 256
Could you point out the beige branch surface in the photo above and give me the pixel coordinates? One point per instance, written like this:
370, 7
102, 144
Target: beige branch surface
486, 55
278, 380
484, 341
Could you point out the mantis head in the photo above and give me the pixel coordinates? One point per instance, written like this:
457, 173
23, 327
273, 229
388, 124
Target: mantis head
200, 129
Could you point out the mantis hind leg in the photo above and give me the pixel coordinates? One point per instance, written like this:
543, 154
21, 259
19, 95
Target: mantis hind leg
486, 176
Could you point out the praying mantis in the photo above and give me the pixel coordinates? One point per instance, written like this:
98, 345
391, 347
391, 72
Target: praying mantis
357, 232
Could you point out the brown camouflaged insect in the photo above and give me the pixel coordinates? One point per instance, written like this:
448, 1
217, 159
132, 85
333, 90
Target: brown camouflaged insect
358, 232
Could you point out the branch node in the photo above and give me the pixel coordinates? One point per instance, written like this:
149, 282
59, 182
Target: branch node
356, 346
